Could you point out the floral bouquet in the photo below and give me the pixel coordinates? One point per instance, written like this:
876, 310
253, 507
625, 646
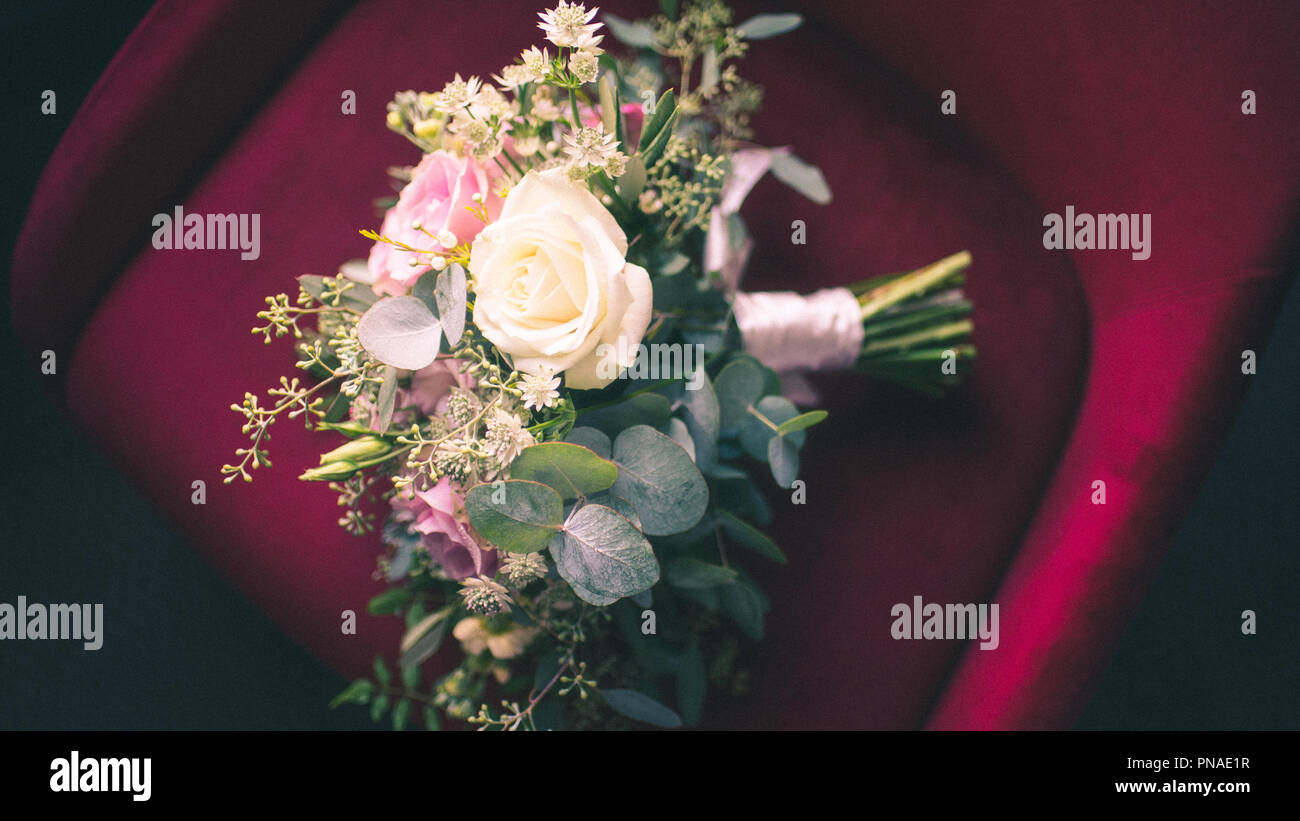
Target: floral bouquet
546, 378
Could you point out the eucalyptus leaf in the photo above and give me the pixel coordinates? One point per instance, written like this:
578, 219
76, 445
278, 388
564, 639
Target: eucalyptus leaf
746, 535
572, 470
658, 477
424, 638
739, 385
746, 606
692, 685
515, 515
640, 707
802, 421
677, 431
803, 177
637, 34
763, 26
695, 574
783, 456
603, 554
644, 409
755, 433
400, 331
591, 438
451, 294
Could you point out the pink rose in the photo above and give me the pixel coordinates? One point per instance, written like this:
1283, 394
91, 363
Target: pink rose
438, 515
442, 186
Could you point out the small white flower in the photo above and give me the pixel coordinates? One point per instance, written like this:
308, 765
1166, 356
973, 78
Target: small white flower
590, 146
522, 568
446, 239
528, 146
566, 24
536, 64
457, 94
584, 66
506, 437
484, 596
540, 390
513, 76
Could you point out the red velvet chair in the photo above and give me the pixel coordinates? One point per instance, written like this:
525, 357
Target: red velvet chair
1093, 366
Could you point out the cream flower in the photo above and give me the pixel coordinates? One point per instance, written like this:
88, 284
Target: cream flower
553, 288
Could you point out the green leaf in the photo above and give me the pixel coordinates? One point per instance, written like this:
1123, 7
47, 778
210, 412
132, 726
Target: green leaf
783, 456
593, 439
640, 707
358, 692
801, 176
451, 294
603, 554
694, 574
763, 26
746, 535
381, 671
659, 124
746, 606
378, 707
658, 477
424, 638
400, 331
432, 721
756, 433
387, 398
411, 676
802, 421
644, 409
692, 685
389, 602
677, 431
522, 519
638, 34
425, 288
401, 714
739, 385
571, 470
611, 118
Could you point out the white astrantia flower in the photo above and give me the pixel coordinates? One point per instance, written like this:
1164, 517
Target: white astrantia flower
484, 596
506, 437
522, 568
552, 284
536, 64
566, 24
539, 390
584, 66
457, 94
590, 146
513, 76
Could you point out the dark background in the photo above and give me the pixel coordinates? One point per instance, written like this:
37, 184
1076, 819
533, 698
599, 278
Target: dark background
184, 651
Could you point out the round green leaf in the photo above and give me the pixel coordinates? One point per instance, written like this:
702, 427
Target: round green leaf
603, 556
400, 331
695, 574
738, 386
594, 440
658, 477
640, 707
572, 470
755, 433
515, 515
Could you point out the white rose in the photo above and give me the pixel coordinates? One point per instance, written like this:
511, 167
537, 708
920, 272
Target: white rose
552, 287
